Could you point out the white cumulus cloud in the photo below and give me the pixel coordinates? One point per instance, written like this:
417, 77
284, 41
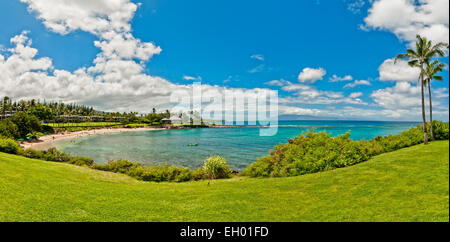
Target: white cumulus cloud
100, 17
191, 78
355, 94
336, 78
406, 18
400, 71
311, 75
357, 83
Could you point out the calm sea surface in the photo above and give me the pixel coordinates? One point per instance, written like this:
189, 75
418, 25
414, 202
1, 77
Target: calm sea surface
240, 146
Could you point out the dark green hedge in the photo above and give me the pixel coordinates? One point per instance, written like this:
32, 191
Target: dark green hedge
158, 173
316, 152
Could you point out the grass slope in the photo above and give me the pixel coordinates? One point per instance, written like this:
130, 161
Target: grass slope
407, 185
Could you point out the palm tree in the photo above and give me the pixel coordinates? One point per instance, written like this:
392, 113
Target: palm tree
431, 70
425, 50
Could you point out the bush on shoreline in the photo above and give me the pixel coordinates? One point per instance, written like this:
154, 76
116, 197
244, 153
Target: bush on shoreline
23, 125
216, 167
8, 145
9, 129
26, 123
316, 152
441, 130
81, 161
156, 173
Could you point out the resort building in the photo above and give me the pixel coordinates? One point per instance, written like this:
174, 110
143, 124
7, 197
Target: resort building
7, 114
173, 120
81, 119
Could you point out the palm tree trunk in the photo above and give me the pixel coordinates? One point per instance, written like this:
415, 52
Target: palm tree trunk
431, 110
424, 120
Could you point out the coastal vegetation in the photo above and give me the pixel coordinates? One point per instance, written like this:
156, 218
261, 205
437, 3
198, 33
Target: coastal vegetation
26, 124
151, 173
216, 167
23, 125
31, 119
315, 152
308, 153
34, 116
8, 129
8, 145
410, 184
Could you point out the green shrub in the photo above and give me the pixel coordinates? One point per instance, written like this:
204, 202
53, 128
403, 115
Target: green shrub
81, 161
47, 129
261, 168
315, 152
160, 173
216, 167
411, 137
136, 172
26, 123
8, 145
9, 129
198, 174
157, 173
33, 154
53, 154
441, 130
165, 173
119, 166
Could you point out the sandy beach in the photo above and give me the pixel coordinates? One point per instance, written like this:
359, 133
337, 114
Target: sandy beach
45, 141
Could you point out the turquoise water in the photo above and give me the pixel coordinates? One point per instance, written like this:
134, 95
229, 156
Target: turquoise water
240, 146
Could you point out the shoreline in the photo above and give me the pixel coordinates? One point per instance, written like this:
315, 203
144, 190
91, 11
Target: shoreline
48, 139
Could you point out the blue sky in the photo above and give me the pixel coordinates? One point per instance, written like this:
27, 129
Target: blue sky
246, 44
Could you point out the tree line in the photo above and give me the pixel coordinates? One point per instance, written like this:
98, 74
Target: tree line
24, 118
56, 110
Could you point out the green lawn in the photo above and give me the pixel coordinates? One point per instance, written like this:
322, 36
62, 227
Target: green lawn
411, 184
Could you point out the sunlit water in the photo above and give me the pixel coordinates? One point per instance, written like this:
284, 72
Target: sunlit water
240, 146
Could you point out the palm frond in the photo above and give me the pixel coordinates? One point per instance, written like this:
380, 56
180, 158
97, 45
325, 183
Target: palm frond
403, 56
439, 49
432, 68
411, 52
438, 78
413, 63
441, 45
428, 45
441, 66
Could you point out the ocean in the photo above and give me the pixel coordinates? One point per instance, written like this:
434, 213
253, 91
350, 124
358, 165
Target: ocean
239, 145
